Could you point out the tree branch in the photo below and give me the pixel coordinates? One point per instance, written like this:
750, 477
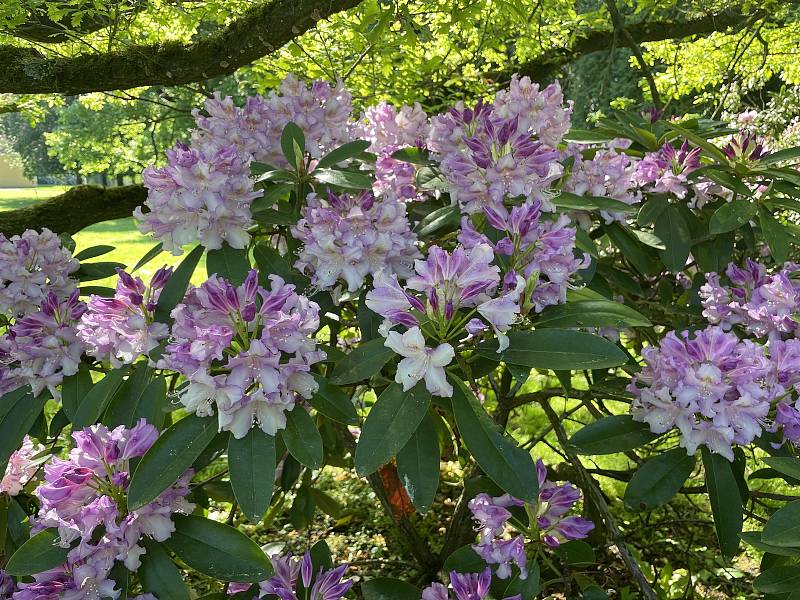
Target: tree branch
41, 28
78, 207
259, 31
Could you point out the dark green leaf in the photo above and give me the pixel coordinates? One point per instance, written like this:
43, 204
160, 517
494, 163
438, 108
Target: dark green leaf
726, 501
74, 389
754, 539
613, 434
96, 400
174, 452
569, 201
697, 140
159, 575
321, 555
175, 289
126, 399
302, 438
558, 349
715, 254
464, 560
652, 207
148, 256
97, 290
777, 580
218, 550
447, 216
783, 527
332, 402
362, 363
326, 503
501, 459
659, 479
351, 180
526, 588
343, 153
147, 402
641, 257
416, 156
785, 464
270, 262
93, 252
251, 464
674, 232
97, 270
386, 588
390, 424
649, 239
418, 465
591, 313
780, 156
229, 263
40, 553
17, 422
271, 216
732, 215
293, 144
775, 234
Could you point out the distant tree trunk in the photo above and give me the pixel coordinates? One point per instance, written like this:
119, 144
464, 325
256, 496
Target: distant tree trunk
120, 180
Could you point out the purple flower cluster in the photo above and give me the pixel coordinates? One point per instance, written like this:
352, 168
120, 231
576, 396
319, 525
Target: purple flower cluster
744, 147
258, 343
542, 113
714, 388
541, 252
32, 265
608, 174
121, 329
762, 304
22, 465
321, 110
324, 584
466, 586
86, 493
349, 237
199, 195
666, 171
548, 522
42, 348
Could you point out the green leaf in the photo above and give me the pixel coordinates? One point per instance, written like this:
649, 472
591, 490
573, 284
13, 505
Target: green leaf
159, 575
229, 263
271, 216
725, 178
649, 239
175, 288
321, 555
418, 465
651, 209
783, 527
732, 215
218, 550
659, 479
711, 149
726, 501
293, 144
351, 180
74, 388
362, 363
526, 588
96, 400
464, 560
754, 539
251, 464
591, 313
174, 452
343, 153
609, 435
390, 424
127, 397
16, 422
775, 234
501, 459
333, 403
447, 216
641, 257
368, 321
557, 349
714, 255
785, 464
146, 402
780, 156
40, 553
387, 588
302, 438
148, 256
97, 270
672, 229
777, 580
569, 201
93, 252
270, 262
416, 156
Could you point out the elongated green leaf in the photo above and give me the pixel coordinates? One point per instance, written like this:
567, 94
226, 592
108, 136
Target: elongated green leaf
569, 201
732, 215
416, 156
351, 180
418, 465
780, 156
613, 434
783, 527
175, 288
651, 209
74, 388
464, 560
710, 149
775, 234
754, 539
785, 464
270, 262
778, 580
343, 153
159, 575
726, 501
97, 270
557, 349
447, 216
148, 256
97, 399
93, 252
128, 396
642, 257
17, 422
672, 229
332, 402
501, 459
229, 263
659, 479
174, 452
526, 588
389, 425
147, 403
40, 553
302, 438
218, 550
270, 216
362, 363
293, 144
251, 464
386, 588
591, 313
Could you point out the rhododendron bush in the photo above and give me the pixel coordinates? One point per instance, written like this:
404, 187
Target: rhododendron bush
386, 292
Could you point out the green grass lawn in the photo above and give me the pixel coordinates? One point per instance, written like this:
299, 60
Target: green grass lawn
130, 245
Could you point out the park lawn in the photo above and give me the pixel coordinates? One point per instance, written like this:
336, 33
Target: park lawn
129, 244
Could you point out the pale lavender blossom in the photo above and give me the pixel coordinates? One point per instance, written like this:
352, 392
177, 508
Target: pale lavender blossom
541, 113
421, 362
22, 465
121, 329
33, 265
555, 501
350, 237
203, 196
260, 344
465, 586
666, 171
43, 347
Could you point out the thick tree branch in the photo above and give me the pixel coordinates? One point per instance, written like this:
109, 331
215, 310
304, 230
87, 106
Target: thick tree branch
262, 29
548, 63
75, 209
42, 29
